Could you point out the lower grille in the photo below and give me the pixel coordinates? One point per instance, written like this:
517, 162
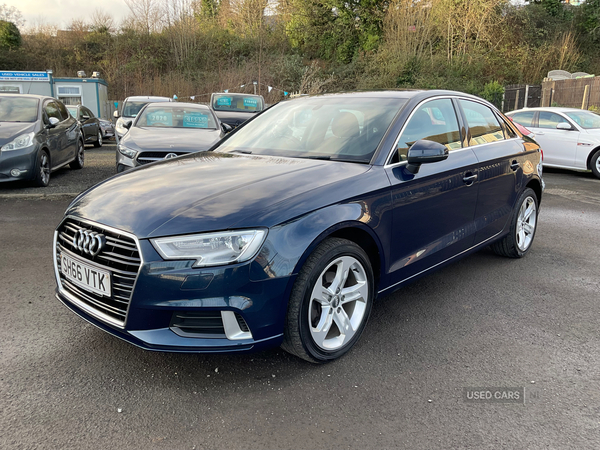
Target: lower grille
207, 324
120, 256
149, 157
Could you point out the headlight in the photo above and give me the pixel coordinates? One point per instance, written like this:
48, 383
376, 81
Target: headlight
23, 141
212, 249
129, 152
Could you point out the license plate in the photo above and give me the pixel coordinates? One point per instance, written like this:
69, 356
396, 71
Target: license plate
85, 276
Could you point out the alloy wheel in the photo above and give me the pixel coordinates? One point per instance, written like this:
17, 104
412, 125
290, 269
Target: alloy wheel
44, 168
526, 222
338, 303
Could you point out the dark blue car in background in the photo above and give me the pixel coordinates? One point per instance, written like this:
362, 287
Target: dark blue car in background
289, 229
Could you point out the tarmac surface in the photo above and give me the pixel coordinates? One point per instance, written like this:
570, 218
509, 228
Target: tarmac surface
530, 325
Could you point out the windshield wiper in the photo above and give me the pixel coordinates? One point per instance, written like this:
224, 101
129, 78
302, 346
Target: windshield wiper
329, 158
245, 152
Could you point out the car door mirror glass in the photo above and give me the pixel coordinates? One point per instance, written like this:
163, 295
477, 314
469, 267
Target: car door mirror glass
127, 124
226, 127
425, 152
563, 126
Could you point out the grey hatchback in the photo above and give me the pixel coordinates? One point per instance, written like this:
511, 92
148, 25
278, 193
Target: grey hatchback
37, 136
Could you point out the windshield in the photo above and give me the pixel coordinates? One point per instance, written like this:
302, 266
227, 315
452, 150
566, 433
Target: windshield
18, 109
336, 128
131, 109
237, 103
176, 116
585, 119
72, 110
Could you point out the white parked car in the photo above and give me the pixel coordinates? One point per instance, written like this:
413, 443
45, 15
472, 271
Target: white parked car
569, 137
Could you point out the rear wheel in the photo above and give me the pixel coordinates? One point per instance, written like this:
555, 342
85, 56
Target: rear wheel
98, 142
79, 160
330, 302
595, 164
522, 228
42, 169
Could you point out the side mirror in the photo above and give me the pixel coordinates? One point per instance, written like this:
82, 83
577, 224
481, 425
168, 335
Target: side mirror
425, 152
226, 127
85, 118
116, 114
127, 124
53, 122
563, 126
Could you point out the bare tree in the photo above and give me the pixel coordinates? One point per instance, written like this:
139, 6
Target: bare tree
11, 14
146, 15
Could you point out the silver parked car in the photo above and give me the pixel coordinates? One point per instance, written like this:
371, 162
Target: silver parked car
569, 137
130, 109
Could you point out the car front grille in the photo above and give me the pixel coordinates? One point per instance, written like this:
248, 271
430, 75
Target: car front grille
120, 256
149, 157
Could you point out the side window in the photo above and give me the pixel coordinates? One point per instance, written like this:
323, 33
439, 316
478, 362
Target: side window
483, 124
88, 113
550, 120
51, 109
63, 111
434, 121
524, 118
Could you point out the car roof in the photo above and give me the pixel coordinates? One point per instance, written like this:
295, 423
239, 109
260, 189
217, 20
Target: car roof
150, 98
180, 104
39, 97
546, 108
396, 93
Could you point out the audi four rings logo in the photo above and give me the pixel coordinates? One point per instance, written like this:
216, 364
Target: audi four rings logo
89, 242
171, 155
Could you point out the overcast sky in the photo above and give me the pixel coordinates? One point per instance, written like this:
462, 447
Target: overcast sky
62, 12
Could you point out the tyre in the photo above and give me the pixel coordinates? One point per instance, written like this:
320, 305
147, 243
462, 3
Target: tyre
330, 302
595, 164
99, 138
523, 226
77, 163
42, 169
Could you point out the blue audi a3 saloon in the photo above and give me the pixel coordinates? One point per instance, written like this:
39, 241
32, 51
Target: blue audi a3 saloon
286, 232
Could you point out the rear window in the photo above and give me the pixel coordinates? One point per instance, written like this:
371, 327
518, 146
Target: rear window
237, 103
524, 118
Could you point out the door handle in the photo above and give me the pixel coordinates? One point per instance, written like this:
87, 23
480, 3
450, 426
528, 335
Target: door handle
539, 133
515, 165
469, 178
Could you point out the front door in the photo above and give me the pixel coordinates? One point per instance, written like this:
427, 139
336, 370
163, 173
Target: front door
560, 146
434, 209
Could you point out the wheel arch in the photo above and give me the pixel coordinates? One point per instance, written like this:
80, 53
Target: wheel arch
537, 188
357, 232
588, 163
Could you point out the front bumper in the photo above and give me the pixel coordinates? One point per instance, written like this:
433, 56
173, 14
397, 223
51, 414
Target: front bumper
167, 289
24, 160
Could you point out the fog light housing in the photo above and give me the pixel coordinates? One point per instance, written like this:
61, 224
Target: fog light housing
15, 172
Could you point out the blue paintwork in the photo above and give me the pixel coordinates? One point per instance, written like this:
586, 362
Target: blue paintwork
411, 222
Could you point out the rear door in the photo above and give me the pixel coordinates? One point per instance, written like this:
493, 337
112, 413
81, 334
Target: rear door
501, 158
433, 209
70, 132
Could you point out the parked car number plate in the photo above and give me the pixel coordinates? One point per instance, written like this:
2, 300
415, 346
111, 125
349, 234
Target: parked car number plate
86, 276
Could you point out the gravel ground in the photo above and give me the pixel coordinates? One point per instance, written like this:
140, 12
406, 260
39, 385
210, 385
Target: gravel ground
99, 165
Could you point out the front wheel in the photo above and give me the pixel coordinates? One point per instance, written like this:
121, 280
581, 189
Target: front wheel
522, 227
595, 164
330, 302
42, 169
